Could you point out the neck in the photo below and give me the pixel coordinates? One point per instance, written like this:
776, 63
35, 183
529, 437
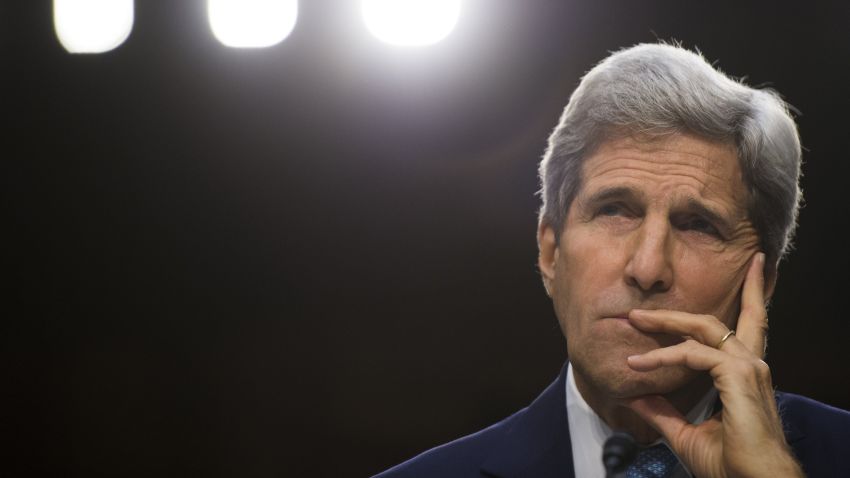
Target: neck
621, 418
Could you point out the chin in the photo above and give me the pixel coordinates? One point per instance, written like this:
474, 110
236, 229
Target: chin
622, 383
659, 382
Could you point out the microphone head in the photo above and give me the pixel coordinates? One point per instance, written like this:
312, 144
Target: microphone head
618, 452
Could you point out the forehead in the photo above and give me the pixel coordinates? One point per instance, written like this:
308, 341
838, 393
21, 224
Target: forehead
672, 167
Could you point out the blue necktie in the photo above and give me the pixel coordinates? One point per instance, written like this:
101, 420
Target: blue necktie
654, 462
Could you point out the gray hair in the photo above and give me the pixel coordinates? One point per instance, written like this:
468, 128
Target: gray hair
659, 89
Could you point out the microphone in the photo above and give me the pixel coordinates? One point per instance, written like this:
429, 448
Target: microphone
618, 453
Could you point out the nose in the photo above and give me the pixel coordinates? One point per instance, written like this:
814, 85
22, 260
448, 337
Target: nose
649, 265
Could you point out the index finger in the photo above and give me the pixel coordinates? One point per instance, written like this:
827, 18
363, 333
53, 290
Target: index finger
752, 322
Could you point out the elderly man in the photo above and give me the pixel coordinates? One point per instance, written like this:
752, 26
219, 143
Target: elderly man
670, 194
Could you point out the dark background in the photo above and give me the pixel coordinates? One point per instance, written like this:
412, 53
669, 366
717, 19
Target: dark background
318, 259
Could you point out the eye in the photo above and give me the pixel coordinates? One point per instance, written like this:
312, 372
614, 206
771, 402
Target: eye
613, 209
699, 224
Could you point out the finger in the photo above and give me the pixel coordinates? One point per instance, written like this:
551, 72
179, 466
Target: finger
741, 382
705, 329
689, 353
752, 323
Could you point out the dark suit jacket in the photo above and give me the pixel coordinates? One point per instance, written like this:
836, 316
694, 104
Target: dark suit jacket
535, 442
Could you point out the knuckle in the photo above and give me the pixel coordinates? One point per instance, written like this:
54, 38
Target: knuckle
690, 345
761, 368
710, 318
705, 326
756, 369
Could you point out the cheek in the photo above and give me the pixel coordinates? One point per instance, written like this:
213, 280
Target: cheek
584, 260
588, 265
713, 286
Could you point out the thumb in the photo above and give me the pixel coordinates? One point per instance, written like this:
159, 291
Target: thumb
659, 413
689, 442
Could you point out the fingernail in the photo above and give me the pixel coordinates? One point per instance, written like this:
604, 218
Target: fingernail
760, 258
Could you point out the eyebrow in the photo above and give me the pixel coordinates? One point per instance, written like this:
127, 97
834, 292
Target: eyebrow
622, 193
711, 215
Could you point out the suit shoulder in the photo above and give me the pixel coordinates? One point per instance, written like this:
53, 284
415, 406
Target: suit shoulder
461, 458
818, 434
812, 416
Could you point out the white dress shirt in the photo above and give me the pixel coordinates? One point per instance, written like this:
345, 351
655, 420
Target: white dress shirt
588, 432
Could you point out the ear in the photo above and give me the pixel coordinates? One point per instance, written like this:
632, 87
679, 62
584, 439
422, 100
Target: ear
547, 255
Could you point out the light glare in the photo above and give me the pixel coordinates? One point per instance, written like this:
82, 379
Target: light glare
411, 22
92, 26
252, 23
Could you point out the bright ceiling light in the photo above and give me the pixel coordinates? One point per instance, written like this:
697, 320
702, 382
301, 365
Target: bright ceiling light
252, 23
411, 22
92, 26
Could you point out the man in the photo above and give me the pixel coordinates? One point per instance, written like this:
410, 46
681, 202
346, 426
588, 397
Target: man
670, 194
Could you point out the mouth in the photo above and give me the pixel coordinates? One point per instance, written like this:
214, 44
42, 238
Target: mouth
618, 321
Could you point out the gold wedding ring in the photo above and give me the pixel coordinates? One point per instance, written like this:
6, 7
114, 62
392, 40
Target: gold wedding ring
724, 339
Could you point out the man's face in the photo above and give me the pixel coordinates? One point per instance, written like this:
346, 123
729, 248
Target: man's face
657, 224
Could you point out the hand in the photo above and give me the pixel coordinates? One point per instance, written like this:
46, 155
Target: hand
745, 438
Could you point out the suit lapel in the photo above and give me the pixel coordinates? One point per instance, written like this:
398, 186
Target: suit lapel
538, 444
